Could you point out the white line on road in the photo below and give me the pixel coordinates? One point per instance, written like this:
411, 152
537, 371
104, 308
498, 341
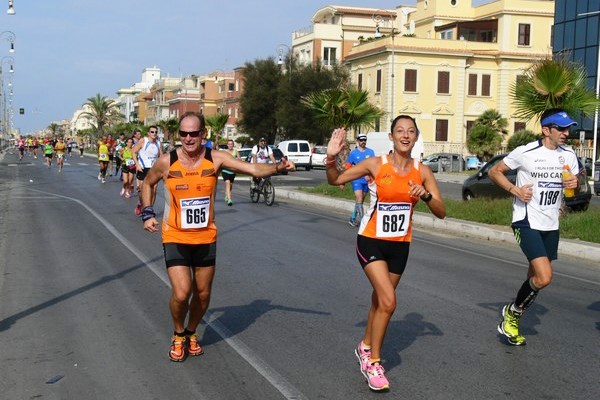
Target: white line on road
274, 378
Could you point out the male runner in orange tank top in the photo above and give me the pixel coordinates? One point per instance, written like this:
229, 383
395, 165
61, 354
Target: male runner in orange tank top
189, 233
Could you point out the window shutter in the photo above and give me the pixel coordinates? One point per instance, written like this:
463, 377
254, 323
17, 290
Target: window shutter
443, 82
410, 80
472, 84
485, 84
441, 130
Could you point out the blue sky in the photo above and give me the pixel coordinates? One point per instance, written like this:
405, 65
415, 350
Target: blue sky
69, 50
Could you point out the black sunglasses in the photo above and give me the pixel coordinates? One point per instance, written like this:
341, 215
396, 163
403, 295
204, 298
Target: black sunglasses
152, 131
362, 140
559, 128
191, 134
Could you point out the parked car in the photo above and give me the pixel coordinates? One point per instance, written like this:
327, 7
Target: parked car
472, 162
244, 152
480, 185
318, 155
297, 151
447, 162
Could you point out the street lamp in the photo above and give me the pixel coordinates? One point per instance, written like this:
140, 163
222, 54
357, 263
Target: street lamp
280, 61
10, 39
11, 8
379, 19
6, 126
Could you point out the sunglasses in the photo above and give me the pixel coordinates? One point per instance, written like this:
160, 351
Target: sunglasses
559, 128
191, 134
152, 131
362, 140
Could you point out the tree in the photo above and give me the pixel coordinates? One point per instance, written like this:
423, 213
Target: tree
258, 101
553, 83
485, 137
103, 112
54, 128
217, 123
343, 107
520, 138
169, 127
294, 119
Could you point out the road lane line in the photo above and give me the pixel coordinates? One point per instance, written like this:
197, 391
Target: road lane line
274, 378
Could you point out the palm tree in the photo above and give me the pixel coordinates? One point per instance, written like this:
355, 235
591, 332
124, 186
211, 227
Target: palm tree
102, 111
217, 123
553, 83
54, 128
343, 107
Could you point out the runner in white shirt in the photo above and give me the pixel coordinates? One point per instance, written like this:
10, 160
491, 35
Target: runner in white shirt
145, 153
538, 197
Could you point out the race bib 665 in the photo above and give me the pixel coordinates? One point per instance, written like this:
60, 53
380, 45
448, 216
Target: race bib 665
195, 212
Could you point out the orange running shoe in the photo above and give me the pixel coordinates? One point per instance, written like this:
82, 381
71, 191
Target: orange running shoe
194, 348
177, 352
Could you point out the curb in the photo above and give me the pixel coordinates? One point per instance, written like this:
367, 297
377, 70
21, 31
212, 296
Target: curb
566, 247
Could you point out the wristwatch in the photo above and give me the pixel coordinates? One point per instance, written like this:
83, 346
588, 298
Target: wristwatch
427, 197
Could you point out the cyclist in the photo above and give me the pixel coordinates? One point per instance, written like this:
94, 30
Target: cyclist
261, 154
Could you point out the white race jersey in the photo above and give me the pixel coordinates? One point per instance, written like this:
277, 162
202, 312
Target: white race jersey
542, 167
148, 153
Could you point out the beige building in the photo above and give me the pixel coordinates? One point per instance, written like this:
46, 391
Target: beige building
452, 62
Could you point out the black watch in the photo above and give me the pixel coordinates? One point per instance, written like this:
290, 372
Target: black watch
427, 197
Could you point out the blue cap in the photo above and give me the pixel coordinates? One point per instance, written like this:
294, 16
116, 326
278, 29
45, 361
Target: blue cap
561, 119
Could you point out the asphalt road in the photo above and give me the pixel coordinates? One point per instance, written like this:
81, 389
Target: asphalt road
83, 310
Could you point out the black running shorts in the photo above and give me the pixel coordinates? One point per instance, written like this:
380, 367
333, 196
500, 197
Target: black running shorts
190, 255
395, 254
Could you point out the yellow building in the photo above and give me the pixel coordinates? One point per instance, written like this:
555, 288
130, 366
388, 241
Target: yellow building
456, 62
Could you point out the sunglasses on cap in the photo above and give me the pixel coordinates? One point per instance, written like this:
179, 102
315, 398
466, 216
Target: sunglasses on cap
191, 133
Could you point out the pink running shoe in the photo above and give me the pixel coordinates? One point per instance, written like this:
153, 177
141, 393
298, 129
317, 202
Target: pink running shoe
138, 209
376, 378
363, 356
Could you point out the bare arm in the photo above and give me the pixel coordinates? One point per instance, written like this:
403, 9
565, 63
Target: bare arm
223, 159
135, 151
154, 176
436, 204
497, 175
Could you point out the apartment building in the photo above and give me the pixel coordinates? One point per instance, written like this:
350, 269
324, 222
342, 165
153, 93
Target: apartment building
448, 61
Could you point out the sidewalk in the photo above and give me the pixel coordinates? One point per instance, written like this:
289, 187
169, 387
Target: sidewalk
572, 248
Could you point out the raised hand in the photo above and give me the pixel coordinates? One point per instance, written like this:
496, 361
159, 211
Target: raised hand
336, 143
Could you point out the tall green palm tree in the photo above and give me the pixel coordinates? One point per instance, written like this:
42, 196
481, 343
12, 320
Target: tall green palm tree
485, 138
103, 112
217, 123
553, 83
343, 107
54, 128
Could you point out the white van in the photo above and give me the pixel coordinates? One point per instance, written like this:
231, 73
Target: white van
297, 151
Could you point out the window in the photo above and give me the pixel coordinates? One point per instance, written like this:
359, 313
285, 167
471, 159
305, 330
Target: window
329, 56
410, 80
304, 147
293, 147
524, 30
441, 130
443, 82
378, 84
472, 85
519, 126
359, 83
231, 87
446, 35
485, 84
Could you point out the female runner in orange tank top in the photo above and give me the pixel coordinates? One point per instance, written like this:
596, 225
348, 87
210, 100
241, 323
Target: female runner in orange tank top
397, 184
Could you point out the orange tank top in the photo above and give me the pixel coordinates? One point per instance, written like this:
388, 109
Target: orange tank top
389, 216
189, 212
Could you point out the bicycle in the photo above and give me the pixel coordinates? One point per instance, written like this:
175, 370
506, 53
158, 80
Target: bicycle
264, 187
